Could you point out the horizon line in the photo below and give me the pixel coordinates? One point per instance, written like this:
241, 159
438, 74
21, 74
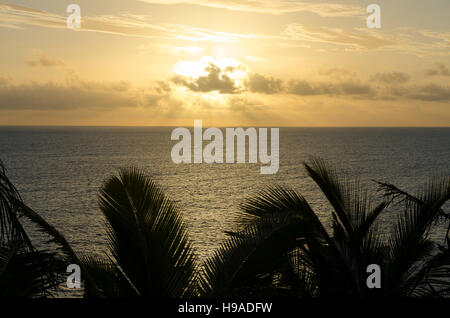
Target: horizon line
192, 126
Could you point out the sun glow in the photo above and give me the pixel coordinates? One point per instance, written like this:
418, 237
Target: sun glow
195, 69
209, 78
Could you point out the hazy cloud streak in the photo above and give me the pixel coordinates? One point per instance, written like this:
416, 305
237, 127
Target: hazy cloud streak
274, 6
13, 16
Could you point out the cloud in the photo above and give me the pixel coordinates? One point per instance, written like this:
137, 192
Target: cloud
302, 87
337, 72
217, 79
441, 70
421, 43
430, 92
355, 39
163, 87
403, 40
39, 58
400, 40
354, 88
443, 37
13, 16
305, 88
96, 97
274, 6
236, 79
74, 94
340, 84
258, 83
391, 78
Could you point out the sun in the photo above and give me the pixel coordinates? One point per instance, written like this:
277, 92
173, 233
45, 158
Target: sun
195, 69
192, 69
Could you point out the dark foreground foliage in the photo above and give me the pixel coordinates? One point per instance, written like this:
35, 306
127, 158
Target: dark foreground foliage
284, 249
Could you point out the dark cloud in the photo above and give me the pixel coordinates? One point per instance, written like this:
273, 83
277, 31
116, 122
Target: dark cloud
305, 88
162, 87
391, 78
78, 94
430, 92
354, 88
73, 95
258, 83
440, 69
216, 80
341, 83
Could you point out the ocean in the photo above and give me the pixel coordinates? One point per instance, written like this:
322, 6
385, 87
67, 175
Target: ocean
59, 170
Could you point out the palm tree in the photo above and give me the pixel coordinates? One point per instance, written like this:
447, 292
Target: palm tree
286, 250
24, 271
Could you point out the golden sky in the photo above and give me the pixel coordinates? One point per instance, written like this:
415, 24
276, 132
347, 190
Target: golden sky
227, 62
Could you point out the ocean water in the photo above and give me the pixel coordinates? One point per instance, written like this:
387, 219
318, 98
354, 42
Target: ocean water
59, 170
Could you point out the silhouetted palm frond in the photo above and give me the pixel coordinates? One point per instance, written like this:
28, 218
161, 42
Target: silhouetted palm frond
11, 230
147, 237
55, 236
105, 279
24, 271
348, 198
29, 274
248, 262
413, 260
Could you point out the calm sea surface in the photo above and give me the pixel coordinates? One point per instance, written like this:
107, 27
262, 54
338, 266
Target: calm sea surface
58, 171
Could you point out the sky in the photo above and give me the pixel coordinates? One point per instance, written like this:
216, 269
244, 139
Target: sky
229, 63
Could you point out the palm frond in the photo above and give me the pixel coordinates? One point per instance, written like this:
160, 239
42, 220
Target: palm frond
410, 247
434, 278
298, 277
45, 227
104, 279
328, 181
11, 230
147, 237
29, 273
349, 200
272, 205
245, 263
24, 271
